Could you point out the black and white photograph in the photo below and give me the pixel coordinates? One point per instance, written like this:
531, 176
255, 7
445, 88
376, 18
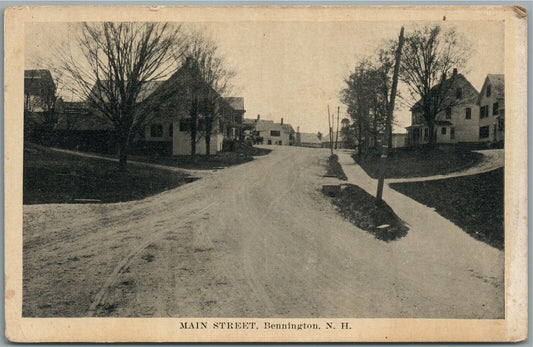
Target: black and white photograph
281, 171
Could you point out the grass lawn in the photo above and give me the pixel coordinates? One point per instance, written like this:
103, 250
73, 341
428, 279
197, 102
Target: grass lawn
334, 169
420, 161
361, 208
52, 177
241, 154
474, 203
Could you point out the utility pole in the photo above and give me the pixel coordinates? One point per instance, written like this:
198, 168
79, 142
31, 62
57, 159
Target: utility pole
330, 130
337, 135
388, 126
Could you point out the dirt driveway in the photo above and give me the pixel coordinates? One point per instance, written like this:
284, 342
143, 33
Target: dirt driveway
254, 240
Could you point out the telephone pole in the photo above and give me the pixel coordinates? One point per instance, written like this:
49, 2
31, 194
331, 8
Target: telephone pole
330, 130
388, 126
337, 135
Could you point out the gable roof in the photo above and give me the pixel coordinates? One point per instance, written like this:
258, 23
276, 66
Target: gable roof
147, 89
237, 103
265, 125
309, 138
498, 84
38, 74
447, 85
36, 79
77, 116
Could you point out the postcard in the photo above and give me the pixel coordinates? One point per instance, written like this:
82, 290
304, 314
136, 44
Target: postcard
265, 174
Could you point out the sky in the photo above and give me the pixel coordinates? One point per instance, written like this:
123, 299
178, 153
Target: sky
294, 69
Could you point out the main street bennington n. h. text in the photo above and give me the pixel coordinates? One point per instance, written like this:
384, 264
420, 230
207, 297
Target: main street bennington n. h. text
246, 325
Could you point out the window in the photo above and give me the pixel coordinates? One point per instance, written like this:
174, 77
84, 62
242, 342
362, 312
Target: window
468, 113
156, 130
185, 124
484, 132
452, 133
488, 90
500, 124
449, 113
443, 131
459, 93
484, 111
426, 133
495, 109
269, 142
275, 133
171, 130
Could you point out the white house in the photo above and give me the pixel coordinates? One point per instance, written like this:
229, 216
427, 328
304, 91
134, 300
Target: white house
168, 127
492, 109
468, 118
274, 133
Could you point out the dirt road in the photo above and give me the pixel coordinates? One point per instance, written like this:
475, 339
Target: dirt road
254, 240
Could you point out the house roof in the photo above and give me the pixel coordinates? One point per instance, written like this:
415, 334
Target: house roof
325, 138
443, 122
147, 89
498, 83
309, 138
36, 79
266, 125
448, 85
39, 73
83, 121
236, 103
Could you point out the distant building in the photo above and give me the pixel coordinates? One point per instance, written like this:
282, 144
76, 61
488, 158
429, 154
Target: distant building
269, 133
308, 140
326, 142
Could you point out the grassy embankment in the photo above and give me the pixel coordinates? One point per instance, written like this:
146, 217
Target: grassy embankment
474, 203
362, 209
53, 177
420, 161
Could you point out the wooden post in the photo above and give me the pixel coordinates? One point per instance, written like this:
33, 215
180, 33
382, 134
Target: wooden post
388, 126
330, 131
337, 135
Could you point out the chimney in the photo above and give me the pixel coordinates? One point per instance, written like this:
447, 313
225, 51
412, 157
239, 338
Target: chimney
281, 120
454, 72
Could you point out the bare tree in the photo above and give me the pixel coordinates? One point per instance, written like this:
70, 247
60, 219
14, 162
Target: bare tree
427, 58
116, 61
212, 70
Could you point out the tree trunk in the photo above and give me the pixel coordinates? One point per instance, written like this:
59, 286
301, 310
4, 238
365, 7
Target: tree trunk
432, 134
360, 139
208, 130
193, 144
123, 153
208, 144
194, 131
390, 137
375, 131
